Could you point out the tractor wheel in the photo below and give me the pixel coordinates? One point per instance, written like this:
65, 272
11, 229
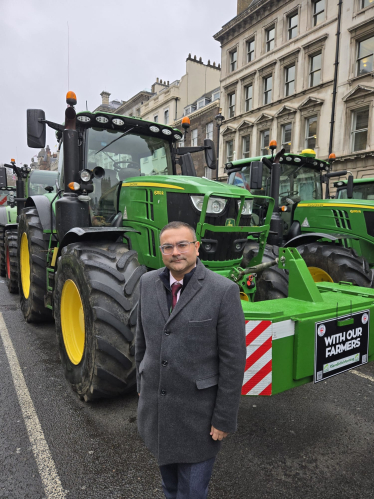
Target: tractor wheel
333, 263
2, 253
11, 260
95, 304
32, 280
271, 283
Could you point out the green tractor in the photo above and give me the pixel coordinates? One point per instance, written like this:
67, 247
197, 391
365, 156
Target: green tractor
83, 250
334, 237
363, 188
29, 183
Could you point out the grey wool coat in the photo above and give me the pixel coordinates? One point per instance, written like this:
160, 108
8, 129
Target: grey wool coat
189, 365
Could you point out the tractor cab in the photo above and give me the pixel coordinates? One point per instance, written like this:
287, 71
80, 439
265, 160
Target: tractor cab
300, 179
363, 188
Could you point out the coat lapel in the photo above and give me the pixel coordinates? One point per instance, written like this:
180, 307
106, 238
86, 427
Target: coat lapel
193, 287
161, 297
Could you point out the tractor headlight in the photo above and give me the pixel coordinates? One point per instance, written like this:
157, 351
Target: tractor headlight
247, 207
85, 175
215, 205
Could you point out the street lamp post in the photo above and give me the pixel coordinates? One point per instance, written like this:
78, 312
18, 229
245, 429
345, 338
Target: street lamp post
219, 119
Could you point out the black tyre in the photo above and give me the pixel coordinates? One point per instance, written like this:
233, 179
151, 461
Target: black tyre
11, 260
32, 280
2, 252
271, 283
95, 303
333, 263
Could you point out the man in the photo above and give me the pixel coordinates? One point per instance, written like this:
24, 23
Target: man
190, 358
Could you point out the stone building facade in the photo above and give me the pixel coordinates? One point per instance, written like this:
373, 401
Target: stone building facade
278, 60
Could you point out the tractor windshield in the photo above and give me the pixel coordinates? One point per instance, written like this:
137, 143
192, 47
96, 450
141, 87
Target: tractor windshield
122, 155
39, 180
360, 191
299, 182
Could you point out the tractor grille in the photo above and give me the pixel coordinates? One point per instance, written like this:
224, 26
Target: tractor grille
215, 246
341, 219
369, 220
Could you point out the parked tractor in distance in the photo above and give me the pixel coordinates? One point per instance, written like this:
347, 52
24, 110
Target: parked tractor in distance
28, 183
83, 251
334, 236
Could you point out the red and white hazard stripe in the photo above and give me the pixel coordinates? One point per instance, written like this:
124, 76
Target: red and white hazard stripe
259, 340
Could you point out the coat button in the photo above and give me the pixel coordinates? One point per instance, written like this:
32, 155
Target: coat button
167, 332
164, 363
163, 392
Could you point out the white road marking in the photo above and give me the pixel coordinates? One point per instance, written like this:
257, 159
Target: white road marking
358, 373
46, 466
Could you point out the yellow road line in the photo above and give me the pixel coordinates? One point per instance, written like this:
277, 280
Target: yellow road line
362, 375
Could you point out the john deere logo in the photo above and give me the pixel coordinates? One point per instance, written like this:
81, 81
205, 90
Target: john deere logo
230, 222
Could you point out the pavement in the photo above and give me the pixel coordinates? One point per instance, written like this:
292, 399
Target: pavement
315, 441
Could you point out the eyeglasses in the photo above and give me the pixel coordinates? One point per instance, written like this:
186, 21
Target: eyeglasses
182, 247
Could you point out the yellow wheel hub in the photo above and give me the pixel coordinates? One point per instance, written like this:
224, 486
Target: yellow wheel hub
25, 265
320, 275
72, 322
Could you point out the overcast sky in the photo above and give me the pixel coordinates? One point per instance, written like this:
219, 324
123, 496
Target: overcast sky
116, 45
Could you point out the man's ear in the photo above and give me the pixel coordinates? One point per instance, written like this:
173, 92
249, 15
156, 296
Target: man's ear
197, 248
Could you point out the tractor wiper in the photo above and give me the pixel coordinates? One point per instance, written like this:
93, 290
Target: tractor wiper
120, 137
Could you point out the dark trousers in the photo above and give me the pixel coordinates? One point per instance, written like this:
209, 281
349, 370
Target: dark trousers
187, 481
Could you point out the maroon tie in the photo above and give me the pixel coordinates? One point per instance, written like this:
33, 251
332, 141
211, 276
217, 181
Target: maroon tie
175, 287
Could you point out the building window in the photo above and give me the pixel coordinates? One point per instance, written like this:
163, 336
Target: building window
155, 118
245, 146
360, 121
315, 70
311, 132
268, 86
215, 96
318, 12
293, 21
233, 60
138, 112
286, 137
229, 151
270, 35
366, 3
232, 105
265, 141
209, 131
289, 81
365, 52
251, 50
248, 91
181, 142
166, 117
194, 137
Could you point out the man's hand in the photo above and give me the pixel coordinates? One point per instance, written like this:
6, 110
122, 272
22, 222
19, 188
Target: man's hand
217, 434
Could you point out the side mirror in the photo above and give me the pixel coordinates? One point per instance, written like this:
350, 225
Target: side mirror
255, 180
3, 178
350, 187
98, 172
210, 154
35, 129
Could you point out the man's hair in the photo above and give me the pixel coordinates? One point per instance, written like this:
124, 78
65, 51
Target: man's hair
178, 225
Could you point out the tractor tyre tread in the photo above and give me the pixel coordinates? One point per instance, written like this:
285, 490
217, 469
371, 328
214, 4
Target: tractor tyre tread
107, 368
342, 264
2, 252
11, 247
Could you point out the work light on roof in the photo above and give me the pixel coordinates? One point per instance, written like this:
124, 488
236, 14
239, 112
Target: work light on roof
118, 122
297, 160
102, 119
154, 129
166, 131
84, 119
177, 137
288, 158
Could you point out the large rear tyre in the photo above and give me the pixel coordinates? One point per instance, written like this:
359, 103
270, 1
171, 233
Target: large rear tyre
333, 263
271, 283
2, 252
32, 280
95, 303
11, 260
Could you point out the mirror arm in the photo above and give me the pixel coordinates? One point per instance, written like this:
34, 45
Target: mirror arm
51, 124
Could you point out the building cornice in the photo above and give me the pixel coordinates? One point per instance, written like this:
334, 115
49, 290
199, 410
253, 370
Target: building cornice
199, 112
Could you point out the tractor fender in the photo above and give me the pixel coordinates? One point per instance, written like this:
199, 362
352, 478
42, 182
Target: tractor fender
3, 216
97, 234
43, 205
312, 237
